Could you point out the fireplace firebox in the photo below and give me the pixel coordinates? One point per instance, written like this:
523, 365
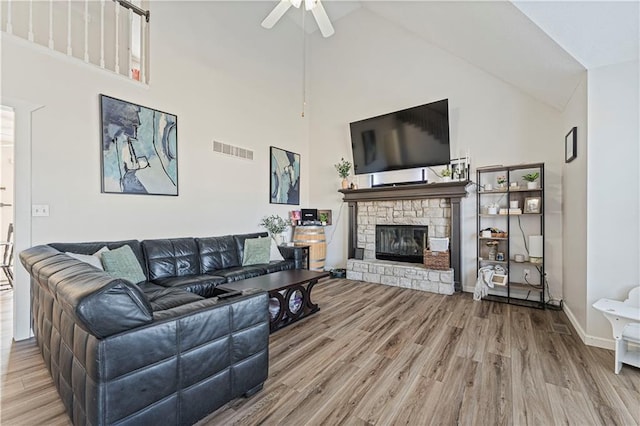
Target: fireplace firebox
402, 243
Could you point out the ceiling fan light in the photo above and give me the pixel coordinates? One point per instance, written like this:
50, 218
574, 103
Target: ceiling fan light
296, 3
309, 4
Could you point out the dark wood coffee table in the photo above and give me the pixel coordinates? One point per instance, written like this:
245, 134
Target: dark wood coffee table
289, 292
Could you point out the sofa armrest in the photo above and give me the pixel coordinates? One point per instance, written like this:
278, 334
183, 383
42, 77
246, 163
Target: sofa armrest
296, 254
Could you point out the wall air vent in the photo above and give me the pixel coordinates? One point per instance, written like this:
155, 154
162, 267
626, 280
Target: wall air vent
234, 151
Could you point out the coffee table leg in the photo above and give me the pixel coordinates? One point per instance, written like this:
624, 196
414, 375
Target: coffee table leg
275, 321
310, 305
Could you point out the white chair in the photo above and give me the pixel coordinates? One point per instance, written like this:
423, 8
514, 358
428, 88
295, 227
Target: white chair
625, 321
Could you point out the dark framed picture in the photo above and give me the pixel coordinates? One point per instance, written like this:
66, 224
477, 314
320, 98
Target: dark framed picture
139, 149
571, 145
284, 186
533, 205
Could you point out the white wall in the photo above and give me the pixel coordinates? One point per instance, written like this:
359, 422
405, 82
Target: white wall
356, 77
613, 219
211, 67
574, 207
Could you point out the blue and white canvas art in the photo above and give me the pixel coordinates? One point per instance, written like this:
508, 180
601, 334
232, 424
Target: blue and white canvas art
285, 177
139, 149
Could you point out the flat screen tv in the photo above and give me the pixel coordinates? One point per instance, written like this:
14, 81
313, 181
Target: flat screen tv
413, 137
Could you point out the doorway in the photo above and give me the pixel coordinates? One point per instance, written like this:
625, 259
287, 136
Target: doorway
7, 185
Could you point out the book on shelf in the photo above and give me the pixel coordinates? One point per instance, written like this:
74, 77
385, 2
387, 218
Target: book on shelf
510, 211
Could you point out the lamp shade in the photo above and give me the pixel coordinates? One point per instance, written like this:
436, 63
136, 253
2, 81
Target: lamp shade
535, 245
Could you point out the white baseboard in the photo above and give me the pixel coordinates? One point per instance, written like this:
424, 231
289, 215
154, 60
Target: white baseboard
598, 342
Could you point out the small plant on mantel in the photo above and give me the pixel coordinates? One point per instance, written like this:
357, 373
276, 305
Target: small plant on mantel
343, 168
446, 172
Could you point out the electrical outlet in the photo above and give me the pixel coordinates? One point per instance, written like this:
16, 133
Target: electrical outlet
526, 273
40, 210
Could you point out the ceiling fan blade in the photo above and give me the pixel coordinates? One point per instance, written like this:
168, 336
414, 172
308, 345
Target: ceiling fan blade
323, 20
277, 13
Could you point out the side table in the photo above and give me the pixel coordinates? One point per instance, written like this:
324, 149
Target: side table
305, 251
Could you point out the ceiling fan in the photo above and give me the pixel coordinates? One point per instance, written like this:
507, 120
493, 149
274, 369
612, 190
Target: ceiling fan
314, 6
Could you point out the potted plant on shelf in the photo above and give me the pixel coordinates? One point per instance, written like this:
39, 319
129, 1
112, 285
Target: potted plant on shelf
531, 180
501, 181
275, 225
446, 174
324, 218
343, 168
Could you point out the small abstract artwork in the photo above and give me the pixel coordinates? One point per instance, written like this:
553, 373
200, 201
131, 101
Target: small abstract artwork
139, 149
285, 177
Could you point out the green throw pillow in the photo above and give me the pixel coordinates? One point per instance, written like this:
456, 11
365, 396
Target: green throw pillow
256, 251
122, 263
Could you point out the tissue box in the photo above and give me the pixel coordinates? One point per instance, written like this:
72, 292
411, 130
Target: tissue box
438, 244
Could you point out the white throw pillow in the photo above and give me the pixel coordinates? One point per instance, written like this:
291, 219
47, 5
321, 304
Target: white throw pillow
275, 254
94, 259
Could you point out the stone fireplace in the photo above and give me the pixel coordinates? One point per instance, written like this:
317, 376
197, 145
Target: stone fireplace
402, 218
403, 243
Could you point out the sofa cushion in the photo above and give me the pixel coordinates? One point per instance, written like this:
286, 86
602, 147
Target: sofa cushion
122, 263
162, 298
218, 253
175, 257
241, 272
256, 251
275, 251
202, 285
93, 247
94, 259
239, 241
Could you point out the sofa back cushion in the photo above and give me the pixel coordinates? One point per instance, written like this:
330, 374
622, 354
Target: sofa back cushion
218, 253
175, 257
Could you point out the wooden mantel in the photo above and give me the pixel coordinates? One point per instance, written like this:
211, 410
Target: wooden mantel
453, 191
408, 192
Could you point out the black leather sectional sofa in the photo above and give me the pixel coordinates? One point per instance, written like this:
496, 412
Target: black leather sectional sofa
169, 350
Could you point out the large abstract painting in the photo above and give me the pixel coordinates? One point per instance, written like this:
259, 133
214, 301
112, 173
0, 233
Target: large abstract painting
285, 177
139, 149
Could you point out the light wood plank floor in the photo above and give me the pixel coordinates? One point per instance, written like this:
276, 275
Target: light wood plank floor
384, 355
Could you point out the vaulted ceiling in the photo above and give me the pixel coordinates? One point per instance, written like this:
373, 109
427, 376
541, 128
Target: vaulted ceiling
541, 47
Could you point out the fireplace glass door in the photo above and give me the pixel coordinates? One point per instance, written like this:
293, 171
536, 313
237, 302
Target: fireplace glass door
402, 243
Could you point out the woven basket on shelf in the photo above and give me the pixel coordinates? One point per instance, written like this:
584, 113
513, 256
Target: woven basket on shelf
436, 259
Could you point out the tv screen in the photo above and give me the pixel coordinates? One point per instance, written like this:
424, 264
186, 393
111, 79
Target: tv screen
413, 137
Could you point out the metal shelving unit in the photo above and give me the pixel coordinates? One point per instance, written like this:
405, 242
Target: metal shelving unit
520, 288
